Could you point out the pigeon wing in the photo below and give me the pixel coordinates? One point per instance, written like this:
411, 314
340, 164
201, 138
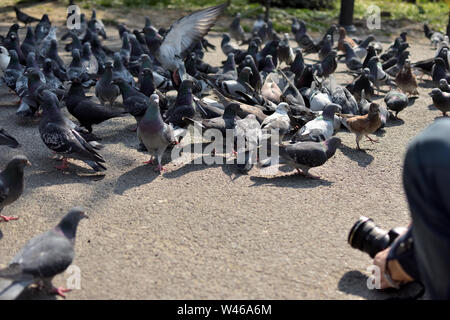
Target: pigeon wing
190, 29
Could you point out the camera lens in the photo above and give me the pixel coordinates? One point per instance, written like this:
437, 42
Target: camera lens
367, 237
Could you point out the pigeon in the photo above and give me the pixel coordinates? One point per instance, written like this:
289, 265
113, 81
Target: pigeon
271, 91
443, 85
42, 258
45, 44
135, 102
396, 101
377, 74
362, 83
13, 71
59, 137
363, 125
97, 25
77, 70
352, 61
319, 129
42, 28
308, 154
154, 133
11, 183
258, 24
278, 121
232, 88
147, 82
23, 17
88, 112
171, 50
119, 71
441, 100
406, 80
327, 66
105, 91
326, 47
361, 49
344, 39
236, 30
247, 134
12, 43
285, 52
4, 58
28, 44
342, 97
88, 60
226, 46
438, 71
302, 38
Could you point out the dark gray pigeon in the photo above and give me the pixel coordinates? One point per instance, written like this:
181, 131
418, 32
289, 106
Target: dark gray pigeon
11, 183
105, 91
396, 101
135, 102
7, 140
61, 138
306, 155
119, 71
42, 258
154, 133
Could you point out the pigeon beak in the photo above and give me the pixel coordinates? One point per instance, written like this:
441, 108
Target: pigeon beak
84, 216
28, 163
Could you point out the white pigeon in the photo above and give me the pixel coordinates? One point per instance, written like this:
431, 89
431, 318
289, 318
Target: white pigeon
4, 58
279, 120
319, 129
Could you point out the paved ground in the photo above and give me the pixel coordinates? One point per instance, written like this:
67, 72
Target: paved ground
206, 232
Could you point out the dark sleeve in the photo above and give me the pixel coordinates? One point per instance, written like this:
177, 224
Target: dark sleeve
403, 250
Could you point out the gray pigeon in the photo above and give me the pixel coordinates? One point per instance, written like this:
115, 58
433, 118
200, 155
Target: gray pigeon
351, 59
236, 30
306, 155
247, 134
11, 183
319, 129
8, 140
154, 133
61, 138
104, 89
42, 258
183, 34
441, 100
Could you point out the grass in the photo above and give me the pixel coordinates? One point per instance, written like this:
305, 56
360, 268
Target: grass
435, 13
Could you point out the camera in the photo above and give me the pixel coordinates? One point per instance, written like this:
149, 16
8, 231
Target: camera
367, 237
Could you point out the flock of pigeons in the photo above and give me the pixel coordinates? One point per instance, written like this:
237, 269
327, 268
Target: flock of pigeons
262, 89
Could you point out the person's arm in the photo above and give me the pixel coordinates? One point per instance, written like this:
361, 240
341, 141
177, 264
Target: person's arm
397, 263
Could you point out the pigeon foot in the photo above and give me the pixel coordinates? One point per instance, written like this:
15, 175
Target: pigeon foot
6, 219
64, 165
59, 291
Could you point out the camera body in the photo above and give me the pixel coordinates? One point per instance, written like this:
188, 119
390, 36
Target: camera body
367, 237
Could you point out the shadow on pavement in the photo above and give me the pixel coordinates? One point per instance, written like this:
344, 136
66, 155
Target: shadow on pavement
354, 282
360, 156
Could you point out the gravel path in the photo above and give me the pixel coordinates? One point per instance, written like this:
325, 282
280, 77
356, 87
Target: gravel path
207, 232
